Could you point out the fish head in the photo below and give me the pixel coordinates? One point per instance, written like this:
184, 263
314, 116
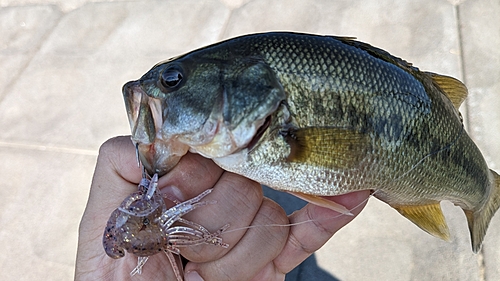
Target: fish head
204, 104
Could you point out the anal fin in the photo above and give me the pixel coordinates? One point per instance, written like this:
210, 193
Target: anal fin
322, 202
428, 217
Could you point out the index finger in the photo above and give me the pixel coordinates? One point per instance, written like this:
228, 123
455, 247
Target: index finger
305, 238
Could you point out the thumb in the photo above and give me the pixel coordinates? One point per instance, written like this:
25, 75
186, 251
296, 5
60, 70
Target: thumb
116, 176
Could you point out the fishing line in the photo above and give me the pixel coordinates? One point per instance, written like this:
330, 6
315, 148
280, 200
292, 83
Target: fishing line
447, 147
301, 222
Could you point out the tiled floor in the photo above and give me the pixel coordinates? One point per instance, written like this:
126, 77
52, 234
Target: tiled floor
62, 65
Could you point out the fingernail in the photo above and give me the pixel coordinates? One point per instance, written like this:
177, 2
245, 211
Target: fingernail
172, 192
193, 276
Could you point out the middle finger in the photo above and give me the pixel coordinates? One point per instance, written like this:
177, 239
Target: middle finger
237, 200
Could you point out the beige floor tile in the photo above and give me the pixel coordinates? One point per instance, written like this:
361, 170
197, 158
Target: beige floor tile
43, 195
70, 93
23, 30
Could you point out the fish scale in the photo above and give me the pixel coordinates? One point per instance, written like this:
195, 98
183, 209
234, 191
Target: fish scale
318, 116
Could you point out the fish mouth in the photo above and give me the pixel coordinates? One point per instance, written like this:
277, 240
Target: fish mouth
146, 120
144, 113
259, 133
160, 145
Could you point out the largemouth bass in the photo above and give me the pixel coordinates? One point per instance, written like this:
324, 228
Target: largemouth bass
318, 116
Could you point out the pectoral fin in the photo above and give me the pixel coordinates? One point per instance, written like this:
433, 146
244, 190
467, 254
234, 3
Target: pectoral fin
455, 90
428, 217
333, 148
322, 202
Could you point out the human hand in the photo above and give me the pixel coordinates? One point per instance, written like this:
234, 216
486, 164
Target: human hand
261, 252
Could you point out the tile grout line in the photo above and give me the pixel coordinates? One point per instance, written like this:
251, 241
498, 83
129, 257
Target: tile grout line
480, 255
48, 148
456, 9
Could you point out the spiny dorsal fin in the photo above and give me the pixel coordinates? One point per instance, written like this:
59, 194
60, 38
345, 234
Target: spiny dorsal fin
334, 148
428, 217
378, 53
455, 90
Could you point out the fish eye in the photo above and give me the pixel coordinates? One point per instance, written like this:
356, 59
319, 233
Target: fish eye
171, 77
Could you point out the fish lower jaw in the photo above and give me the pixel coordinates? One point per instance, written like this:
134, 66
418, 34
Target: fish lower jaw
160, 156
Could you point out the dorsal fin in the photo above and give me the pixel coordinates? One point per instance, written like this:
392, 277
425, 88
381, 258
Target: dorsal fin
378, 53
452, 88
455, 90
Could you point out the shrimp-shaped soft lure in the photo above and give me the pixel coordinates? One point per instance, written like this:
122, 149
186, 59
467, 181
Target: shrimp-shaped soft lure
144, 226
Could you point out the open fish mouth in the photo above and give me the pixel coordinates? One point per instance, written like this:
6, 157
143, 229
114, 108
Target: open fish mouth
159, 151
146, 120
144, 113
